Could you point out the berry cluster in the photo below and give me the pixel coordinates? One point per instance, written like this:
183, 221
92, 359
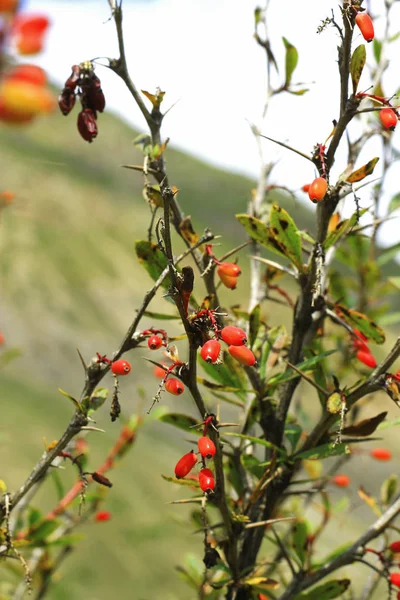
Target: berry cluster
207, 450
236, 339
87, 85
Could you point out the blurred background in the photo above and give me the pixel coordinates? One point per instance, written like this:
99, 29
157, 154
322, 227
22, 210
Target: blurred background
69, 275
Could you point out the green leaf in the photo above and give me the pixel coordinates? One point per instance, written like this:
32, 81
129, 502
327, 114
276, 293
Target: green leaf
34, 515
160, 316
181, 421
58, 484
184, 482
229, 373
293, 433
66, 540
394, 204
42, 530
338, 551
377, 49
73, 400
328, 591
262, 234
298, 92
8, 356
286, 234
252, 464
304, 366
363, 171
388, 254
275, 336
363, 323
143, 143
291, 60
153, 260
388, 424
395, 281
342, 228
389, 489
254, 324
357, 64
98, 398
256, 440
300, 540
323, 451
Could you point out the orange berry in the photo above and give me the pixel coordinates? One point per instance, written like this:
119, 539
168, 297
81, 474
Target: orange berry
341, 480
306, 187
388, 118
229, 281
6, 197
243, 354
365, 25
29, 44
30, 73
230, 269
381, 454
317, 189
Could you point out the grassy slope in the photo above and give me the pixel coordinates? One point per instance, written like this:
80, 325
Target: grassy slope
69, 279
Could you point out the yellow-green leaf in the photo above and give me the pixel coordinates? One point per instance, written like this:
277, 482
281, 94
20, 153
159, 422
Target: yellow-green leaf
363, 171
342, 228
363, 323
153, 260
73, 400
300, 540
285, 232
357, 64
187, 482
291, 60
327, 591
254, 324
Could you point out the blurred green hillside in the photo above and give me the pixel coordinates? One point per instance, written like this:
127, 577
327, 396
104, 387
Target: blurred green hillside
70, 279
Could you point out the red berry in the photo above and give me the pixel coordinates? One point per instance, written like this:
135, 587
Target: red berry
398, 596
388, 118
185, 464
243, 354
121, 367
210, 351
395, 546
317, 189
159, 372
366, 358
206, 480
381, 454
174, 386
395, 579
341, 480
233, 336
229, 281
230, 269
29, 73
103, 515
2, 339
206, 447
366, 26
359, 340
306, 187
154, 342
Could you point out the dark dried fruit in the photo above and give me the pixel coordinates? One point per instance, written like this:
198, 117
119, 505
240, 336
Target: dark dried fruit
87, 125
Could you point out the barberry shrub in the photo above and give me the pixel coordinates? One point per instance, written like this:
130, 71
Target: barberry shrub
276, 408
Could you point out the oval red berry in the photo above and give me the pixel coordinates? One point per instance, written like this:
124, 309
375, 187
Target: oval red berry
395, 546
103, 515
210, 351
233, 336
229, 281
206, 447
366, 358
243, 354
388, 118
174, 386
154, 342
381, 454
366, 26
185, 464
121, 367
341, 480
318, 189
395, 579
206, 480
230, 269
